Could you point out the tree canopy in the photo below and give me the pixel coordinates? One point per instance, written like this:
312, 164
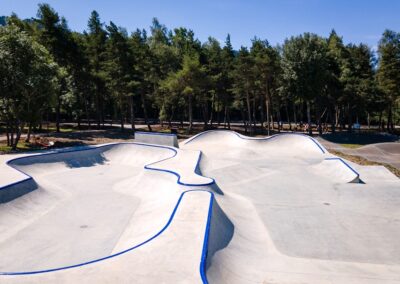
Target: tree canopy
105, 74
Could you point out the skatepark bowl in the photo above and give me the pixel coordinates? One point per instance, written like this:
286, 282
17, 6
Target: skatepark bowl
219, 208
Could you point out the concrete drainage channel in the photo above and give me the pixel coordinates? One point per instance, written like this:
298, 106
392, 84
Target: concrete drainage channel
144, 213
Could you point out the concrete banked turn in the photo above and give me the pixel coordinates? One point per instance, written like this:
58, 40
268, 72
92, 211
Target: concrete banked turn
92, 214
224, 208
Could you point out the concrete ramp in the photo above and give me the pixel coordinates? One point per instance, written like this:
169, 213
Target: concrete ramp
297, 145
92, 214
223, 208
299, 213
176, 253
336, 169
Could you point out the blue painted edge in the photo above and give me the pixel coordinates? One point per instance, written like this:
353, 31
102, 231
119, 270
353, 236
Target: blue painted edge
203, 254
261, 138
148, 167
346, 164
87, 148
74, 149
155, 133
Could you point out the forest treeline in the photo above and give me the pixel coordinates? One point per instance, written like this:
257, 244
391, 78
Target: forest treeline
50, 73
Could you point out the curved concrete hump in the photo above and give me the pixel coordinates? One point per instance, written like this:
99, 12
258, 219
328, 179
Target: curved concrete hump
184, 165
158, 138
285, 143
337, 170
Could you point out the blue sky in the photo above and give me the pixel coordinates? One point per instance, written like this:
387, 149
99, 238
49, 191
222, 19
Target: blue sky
356, 20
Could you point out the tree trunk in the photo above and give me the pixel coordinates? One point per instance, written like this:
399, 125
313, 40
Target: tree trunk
350, 118
337, 115
287, 116
98, 112
249, 112
244, 119
212, 110
268, 110
380, 120
309, 118
229, 118
225, 115
19, 129
58, 109
389, 126
28, 136
146, 118
295, 116
132, 111
205, 115
12, 135
333, 121
319, 122
279, 119
87, 114
262, 112
190, 112
254, 114
8, 133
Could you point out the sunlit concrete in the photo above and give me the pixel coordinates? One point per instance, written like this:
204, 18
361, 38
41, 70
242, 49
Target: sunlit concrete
222, 207
299, 216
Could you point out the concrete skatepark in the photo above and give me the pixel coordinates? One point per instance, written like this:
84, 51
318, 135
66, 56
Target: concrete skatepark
220, 208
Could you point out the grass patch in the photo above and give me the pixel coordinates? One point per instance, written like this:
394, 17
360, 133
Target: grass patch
21, 147
351, 146
364, 162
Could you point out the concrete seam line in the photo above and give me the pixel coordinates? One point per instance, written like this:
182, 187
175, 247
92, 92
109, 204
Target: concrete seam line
203, 254
323, 150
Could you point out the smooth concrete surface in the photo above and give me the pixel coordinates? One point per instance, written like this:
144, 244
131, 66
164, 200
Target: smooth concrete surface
96, 203
223, 208
388, 153
157, 138
297, 213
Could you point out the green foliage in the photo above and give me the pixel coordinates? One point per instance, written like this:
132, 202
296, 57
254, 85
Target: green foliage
28, 75
49, 71
388, 73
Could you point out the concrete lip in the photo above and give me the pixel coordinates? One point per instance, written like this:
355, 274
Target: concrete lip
224, 208
301, 215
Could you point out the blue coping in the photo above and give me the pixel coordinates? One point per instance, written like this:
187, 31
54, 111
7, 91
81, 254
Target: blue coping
206, 235
346, 164
87, 148
155, 133
148, 167
203, 254
261, 138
